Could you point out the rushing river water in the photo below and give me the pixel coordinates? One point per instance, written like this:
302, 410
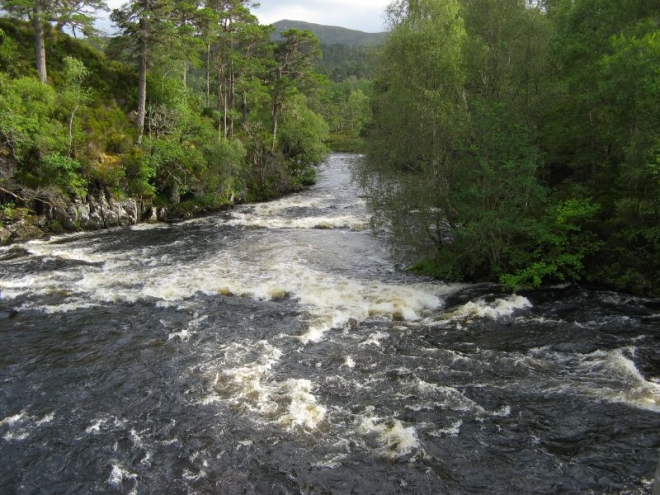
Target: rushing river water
276, 349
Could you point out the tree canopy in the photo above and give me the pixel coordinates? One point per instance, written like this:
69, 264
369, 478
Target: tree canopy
519, 142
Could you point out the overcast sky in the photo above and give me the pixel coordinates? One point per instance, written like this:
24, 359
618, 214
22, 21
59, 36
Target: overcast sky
364, 15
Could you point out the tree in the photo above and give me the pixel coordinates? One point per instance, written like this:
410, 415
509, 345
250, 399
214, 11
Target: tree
293, 68
74, 95
37, 12
252, 67
146, 25
419, 119
233, 16
77, 14
301, 139
601, 129
453, 160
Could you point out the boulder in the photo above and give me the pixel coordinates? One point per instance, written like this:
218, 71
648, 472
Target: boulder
152, 215
24, 231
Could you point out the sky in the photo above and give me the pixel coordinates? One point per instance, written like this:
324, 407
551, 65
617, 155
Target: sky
363, 15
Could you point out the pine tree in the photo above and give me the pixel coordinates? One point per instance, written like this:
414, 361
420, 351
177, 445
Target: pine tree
146, 24
293, 68
78, 15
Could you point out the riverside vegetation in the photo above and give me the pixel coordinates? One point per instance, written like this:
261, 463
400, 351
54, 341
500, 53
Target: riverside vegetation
505, 140
519, 141
190, 106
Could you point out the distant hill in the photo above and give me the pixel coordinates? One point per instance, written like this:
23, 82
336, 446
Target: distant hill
333, 35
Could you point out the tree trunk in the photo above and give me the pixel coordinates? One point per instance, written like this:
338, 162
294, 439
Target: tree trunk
276, 114
142, 90
232, 101
245, 108
276, 106
39, 43
220, 100
208, 74
73, 113
225, 116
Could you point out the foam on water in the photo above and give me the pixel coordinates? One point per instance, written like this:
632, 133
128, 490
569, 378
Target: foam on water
332, 299
609, 375
55, 250
444, 397
494, 310
375, 339
12, 420
451, 431
244, 381
303, 410
95, 427
20, 426
293, 202
320, 222
185, 334
639, 392
118, 475
331, 461
349, 362
150, 226
395, 440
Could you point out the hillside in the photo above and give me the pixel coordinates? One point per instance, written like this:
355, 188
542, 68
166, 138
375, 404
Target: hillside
331, 35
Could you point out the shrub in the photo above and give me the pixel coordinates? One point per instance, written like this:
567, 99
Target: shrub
64, 172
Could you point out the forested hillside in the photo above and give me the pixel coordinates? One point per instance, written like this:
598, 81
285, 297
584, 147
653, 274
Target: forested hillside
519, 142
195, 111
332, 35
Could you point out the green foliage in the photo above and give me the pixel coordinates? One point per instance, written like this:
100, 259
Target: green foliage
342, 61
8, 54
539, 161
563, 241
139, 175
345, 143
301, 140
224, 176
215, 89
27, 125
64, 172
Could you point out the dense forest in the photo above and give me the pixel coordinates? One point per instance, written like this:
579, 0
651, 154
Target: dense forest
191, 105
519, 141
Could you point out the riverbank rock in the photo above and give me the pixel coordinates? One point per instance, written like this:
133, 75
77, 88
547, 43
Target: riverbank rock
151, 216
21, 231
96, 213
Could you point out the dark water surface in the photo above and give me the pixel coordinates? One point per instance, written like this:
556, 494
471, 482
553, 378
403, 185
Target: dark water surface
275, 349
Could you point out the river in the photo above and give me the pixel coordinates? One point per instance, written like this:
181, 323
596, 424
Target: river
276, 348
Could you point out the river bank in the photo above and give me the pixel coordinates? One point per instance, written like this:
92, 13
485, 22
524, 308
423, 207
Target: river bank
38, 218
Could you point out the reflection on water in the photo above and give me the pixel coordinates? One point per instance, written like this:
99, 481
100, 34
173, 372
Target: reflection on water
276, 349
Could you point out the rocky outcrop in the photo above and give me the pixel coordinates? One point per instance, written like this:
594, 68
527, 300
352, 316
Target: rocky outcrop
21, 225
93, 213
97, 213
